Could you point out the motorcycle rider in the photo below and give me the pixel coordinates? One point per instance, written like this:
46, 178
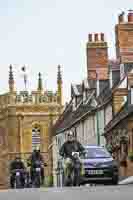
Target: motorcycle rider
36, 156
17, 164
71, 145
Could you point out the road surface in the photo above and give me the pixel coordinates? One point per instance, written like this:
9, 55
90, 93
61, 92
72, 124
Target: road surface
77, 193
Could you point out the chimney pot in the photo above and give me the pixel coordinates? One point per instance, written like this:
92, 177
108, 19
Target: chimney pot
130, 16
102, 37
121, 17
96, 37
90, 37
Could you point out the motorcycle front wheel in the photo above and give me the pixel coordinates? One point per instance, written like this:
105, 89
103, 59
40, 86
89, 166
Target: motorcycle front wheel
76, 177
18, 182
37, 181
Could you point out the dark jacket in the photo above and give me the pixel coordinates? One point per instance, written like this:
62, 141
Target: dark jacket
33, 158
16, 165
70, 146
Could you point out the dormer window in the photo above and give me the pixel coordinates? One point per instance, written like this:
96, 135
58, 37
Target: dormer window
93, 103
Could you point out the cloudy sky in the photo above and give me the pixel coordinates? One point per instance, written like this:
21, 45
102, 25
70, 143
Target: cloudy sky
45, 33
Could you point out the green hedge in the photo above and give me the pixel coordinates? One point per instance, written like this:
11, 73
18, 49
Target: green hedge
48, 181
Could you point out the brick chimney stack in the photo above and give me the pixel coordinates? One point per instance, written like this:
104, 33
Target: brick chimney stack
124, 37
97, 56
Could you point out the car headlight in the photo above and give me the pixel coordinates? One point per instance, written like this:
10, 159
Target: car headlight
112, 163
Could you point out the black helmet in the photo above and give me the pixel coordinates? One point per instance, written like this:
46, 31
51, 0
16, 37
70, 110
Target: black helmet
17, 157
37, 149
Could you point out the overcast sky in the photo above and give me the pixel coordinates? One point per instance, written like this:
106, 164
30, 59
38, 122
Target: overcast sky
45, 33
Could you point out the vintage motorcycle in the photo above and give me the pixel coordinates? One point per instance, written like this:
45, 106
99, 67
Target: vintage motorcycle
73, 170
37, 173
18, 178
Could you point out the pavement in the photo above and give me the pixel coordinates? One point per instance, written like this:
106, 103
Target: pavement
70, 193
127, 180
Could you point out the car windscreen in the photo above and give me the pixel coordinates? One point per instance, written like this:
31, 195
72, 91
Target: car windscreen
95, 153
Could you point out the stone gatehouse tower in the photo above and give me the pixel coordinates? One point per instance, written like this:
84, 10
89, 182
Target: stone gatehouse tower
26, 121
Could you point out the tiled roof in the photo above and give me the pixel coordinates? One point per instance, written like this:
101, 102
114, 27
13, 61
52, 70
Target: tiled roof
67, 112
124, 112
105, 96
72, 117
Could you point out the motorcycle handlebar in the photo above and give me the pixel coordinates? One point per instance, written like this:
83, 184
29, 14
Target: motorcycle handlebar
17, 170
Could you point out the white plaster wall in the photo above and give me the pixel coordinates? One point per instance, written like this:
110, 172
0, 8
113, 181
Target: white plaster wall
108, 114
86, 131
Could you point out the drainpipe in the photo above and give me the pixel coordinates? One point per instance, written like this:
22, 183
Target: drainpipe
98, 133
97, 116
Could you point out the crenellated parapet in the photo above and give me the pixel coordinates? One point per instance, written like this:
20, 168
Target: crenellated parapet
25, 97
39, 96
35, 97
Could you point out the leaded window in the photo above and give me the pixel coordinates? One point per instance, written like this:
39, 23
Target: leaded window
36, 137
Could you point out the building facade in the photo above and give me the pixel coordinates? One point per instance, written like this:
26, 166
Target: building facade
26, 121
99, 111
118, 132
